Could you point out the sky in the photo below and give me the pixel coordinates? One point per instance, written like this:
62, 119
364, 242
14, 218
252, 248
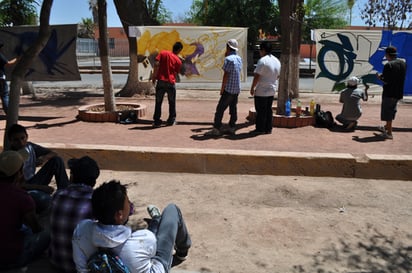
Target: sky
72, 12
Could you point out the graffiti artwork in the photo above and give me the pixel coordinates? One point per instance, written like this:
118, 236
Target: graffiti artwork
342, 54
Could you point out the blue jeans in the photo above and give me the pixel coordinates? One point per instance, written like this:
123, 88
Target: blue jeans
163, 87
171, 234
226, 100
4, 93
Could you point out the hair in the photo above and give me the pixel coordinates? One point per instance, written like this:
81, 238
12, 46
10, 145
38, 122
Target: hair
15, 129
266, 46
177, 46
108, 199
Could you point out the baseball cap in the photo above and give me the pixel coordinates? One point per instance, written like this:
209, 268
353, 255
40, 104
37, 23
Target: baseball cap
391, 50
233, 44
84, 169
12, 161
353, 81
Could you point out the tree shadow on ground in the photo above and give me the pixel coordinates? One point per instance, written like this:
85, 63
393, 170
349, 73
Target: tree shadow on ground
373, 252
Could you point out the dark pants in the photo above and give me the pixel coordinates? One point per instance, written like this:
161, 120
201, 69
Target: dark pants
53, 167
172, 234
4, 94
162, 88
264, 114
226, 100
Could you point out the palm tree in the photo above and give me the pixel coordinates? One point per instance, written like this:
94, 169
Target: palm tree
93, 7
350, 5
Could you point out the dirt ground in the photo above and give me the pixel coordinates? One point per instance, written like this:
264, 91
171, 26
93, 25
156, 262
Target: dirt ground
281, 224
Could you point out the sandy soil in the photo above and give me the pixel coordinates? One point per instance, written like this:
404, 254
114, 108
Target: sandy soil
284, 224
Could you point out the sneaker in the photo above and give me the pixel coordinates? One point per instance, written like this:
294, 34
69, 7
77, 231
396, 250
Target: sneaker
156, 125
179, 257
171, 123
384, 135
153, 211
382, 129
213, 132
351, 125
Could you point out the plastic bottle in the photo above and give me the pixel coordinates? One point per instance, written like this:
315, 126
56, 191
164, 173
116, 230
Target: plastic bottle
287, 108
298, 109
312, 107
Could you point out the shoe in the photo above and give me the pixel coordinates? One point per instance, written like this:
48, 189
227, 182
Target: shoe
256, 132
178, 258
384, 135
153, 211
351, 125
156, 125
171, 123
213, 132
382, 129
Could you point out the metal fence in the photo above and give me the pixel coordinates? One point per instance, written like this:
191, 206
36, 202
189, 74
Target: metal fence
90, 48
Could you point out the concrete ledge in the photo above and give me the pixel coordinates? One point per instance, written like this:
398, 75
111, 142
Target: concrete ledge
154, 159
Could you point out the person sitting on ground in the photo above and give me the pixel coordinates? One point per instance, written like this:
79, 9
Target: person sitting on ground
51, 165
351, 109
69, 206
23, 238
141, 251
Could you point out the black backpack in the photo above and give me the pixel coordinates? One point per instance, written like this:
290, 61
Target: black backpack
104, 261
324, 119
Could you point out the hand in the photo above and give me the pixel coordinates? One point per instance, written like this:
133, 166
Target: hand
252, 92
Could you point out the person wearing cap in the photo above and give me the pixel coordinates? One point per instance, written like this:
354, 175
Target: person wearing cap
166, 69
22, 237
69, 206
229, 90
393, 78
351, 108
4, 88
263, 88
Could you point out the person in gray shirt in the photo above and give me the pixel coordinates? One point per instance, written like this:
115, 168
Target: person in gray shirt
351, 109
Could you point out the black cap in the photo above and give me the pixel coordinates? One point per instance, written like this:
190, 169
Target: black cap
84, 169
391, 50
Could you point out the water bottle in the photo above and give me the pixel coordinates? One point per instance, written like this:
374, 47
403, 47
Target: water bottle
298, 109
312, 107
287, 108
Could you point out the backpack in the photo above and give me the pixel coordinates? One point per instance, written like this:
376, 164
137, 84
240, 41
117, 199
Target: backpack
324, 119
104, 261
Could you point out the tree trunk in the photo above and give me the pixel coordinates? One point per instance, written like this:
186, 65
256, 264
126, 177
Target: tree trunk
132, 13
291, 16
109, 103
17, 75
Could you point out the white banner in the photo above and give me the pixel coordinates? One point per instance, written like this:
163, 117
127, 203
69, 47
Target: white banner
203, 49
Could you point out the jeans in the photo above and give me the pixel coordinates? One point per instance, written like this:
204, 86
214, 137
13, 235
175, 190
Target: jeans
264, 114
226, 100
4, 93
163, 87
172, 234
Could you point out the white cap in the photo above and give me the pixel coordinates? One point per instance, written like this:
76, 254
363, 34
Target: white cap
233, 44
353, 81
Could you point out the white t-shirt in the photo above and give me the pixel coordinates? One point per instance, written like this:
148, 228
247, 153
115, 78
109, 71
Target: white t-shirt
268, 68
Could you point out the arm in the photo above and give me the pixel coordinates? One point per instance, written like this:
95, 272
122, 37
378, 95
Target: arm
224, 81
155, 71
254, 83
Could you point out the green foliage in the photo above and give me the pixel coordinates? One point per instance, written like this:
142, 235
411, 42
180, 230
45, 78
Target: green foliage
328, 14
392, 14
158, 12
254, 14
18, 12
86, 28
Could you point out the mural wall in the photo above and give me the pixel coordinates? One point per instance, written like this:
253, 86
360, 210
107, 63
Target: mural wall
56, 62
345, 53
203, 49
